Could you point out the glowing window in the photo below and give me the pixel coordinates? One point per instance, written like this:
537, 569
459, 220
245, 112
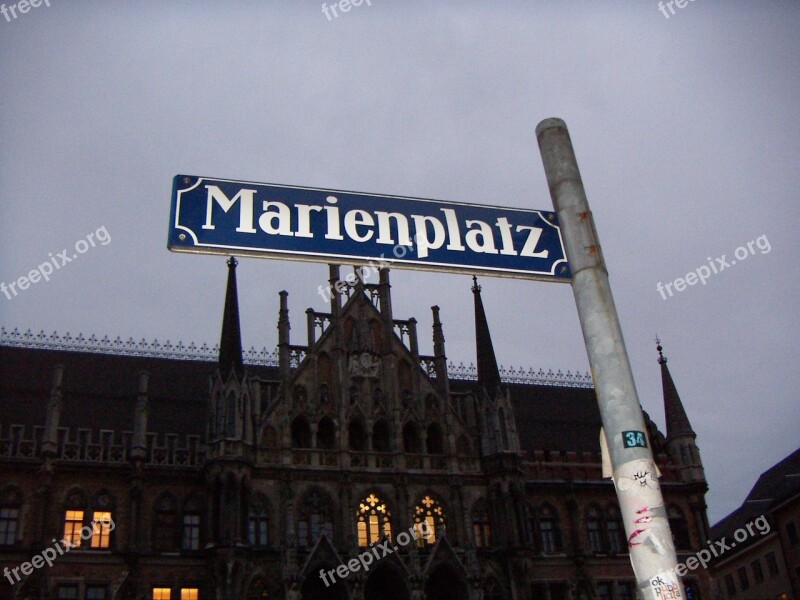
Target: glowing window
101, 529
162, 594
73, 521
189, 594
431, 513
373, 520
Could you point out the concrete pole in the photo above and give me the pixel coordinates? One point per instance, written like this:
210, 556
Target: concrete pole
634, 471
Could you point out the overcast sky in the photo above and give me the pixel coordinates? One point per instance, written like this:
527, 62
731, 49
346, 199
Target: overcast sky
687, 132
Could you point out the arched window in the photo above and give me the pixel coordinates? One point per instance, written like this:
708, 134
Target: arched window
407, 396
481, 527
326, 434
258, 521
165, 524
315, 517
680, 532
411, 438
549, 529
357, 435
301, 432
381, 437
429, 521
435, 439
594, 530
616, 531
373, 521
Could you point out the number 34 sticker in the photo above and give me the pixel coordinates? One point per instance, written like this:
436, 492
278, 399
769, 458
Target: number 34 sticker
634, 439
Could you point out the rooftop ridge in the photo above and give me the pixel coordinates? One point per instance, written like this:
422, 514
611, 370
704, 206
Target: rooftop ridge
253, 356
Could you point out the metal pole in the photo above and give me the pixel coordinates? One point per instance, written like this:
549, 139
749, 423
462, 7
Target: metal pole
634, 472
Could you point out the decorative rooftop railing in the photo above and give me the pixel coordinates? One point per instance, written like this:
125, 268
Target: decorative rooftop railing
520, 375
129, 347
262, 357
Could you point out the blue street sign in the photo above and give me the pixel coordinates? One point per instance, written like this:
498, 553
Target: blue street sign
221, 216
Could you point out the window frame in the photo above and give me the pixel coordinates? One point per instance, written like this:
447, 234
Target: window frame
9, 525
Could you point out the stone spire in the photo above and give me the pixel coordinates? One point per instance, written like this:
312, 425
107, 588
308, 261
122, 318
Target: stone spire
675, 415
488, 373
230, 344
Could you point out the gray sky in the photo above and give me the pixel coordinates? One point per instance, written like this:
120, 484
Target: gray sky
687, 131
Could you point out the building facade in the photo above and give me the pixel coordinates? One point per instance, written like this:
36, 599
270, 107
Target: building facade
763, 563
267, 476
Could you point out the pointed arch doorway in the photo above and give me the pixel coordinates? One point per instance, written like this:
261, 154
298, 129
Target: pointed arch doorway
386, 583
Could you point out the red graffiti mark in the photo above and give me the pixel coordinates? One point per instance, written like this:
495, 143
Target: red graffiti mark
645, 517
631, 543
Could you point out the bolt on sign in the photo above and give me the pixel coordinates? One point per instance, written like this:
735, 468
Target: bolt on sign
222, 216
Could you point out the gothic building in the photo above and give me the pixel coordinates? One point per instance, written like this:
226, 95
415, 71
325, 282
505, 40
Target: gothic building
137, 472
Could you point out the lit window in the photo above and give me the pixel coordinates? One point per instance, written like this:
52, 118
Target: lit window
189, 594
73, 521
373, 520
9, 521
162, 594
191, 532
429, 512
101, 529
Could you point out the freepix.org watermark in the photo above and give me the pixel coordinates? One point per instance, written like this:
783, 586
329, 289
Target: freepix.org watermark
718, 547
363, 273
54, 263
22, 6
365, 559
663, 6
48, 555
714, 267
343, 6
